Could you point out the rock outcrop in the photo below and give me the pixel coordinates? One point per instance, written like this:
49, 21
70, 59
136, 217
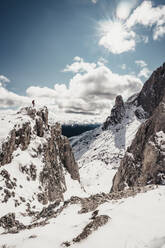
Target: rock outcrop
144, 160
117, 113
153, 91
48, 152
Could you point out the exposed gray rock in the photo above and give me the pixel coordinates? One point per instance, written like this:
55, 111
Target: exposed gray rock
10, 224
117, 113
144, 161
153, 91
54, 152
91, 227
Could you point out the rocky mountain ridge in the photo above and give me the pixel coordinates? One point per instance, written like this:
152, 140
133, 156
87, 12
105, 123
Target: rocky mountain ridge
38, 169
144, 160
33, 159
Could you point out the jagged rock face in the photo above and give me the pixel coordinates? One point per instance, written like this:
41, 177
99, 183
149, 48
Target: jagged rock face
68, 159
9, 223
144, 161
117, 113
153, 90
45, 144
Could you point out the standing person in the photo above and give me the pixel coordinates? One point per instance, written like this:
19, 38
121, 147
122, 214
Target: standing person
33, 103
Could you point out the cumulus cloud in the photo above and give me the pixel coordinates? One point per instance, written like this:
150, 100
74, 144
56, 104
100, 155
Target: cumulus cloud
94, 1
141, 63
147, 15
145, 72
124, 8
10, 99
159, 32
123, 66
102, 61
119, 36
7, 98
3, 80
79, 66
116, 37
90, 91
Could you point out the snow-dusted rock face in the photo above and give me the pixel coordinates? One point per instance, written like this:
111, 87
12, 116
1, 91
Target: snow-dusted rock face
117, 113
153, 91
33, 159
99, 152
144, 161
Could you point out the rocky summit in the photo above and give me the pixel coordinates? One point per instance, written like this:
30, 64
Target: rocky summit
117, 113
33, 159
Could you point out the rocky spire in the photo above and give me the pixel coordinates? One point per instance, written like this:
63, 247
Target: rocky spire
117, 113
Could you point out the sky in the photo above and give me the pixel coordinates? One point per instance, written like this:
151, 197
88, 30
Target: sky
76, 56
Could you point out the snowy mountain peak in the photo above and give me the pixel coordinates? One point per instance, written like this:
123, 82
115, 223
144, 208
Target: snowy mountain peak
35, 162
117, 113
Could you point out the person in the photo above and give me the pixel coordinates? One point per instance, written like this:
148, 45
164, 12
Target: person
33, 103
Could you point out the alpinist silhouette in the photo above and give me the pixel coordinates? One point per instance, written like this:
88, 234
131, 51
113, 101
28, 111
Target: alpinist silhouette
33, 103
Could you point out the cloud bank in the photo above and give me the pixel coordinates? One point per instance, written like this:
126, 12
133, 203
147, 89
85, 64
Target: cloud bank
91, 90
121, 34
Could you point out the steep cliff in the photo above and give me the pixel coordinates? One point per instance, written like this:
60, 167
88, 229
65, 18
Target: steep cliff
153, 91
34, 156
117, 113
144, 160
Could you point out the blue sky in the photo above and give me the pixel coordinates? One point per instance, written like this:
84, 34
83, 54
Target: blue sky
87, 45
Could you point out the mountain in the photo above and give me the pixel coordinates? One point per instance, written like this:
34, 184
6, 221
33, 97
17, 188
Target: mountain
98, 152
34, 161
144, 161
105, 188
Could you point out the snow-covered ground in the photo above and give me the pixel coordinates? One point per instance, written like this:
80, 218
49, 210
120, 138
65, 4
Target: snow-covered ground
135, 222
24, 189
99, 153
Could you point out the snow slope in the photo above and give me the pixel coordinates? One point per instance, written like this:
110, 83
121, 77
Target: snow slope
135, 222
98, 152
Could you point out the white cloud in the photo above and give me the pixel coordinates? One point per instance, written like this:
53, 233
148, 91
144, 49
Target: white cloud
118, 35
79, 66
124, 8
148, 15
102, 61
90, 92
10, 99
3, 80
94, 1
123, 66
159, 32
145, 72
141, 63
